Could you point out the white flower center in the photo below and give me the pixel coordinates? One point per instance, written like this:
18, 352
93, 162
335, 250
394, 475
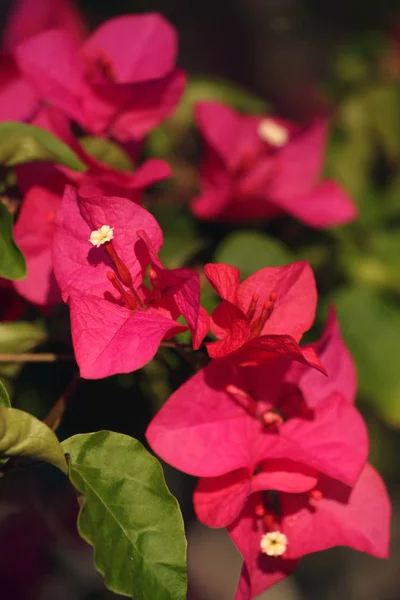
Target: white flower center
272, 133
274, 543
102, 235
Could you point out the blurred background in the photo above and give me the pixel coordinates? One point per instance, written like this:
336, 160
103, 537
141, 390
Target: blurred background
298, 58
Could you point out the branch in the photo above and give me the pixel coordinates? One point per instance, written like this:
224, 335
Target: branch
54, 417
43, 357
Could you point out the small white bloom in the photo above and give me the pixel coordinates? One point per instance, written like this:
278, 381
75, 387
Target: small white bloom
102, 235
274, 543
273, 133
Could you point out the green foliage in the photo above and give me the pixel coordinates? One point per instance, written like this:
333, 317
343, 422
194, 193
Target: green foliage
17, 337
128, 516
200, 89
108, 152
371, 328
12, 261
22, 143
181, 238
4, 398
377, 265
252, 250
23, 435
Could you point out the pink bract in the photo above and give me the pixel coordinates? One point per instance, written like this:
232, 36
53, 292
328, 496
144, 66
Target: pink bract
331, 515
246, 177
118, 333
264, 316
42, 186
215, 424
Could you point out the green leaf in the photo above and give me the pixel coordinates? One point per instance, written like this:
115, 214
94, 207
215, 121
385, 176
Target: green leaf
108, 152
17, 337
181, 238
21, 434
4, 398
12, 261
128, 516
378, 263
371, 328
218, 90
22, 143
252, 250
384, 109
351, 147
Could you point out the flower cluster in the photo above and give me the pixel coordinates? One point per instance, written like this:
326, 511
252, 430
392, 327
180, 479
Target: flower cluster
268, 425
281, 454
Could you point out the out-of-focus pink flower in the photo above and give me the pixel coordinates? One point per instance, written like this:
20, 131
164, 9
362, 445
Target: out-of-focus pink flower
272, 533
101, 250
122, 81
19, 100
29, 17
257, 167
264, 316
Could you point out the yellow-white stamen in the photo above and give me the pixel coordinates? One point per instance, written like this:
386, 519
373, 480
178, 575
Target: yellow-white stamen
273, 133
274, 543
102, 235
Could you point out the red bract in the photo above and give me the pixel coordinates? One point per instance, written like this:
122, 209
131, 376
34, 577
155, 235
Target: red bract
122, 81
265, 315
101, 250
257, 167
229, 420
331, 514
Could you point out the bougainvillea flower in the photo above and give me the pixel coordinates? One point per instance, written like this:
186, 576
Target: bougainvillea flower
257, 167
217, 424
274, 531
121, 82
101, 250
42, 186
265, 315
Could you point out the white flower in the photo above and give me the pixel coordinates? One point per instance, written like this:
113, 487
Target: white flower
274, 543
102, 235
272, 133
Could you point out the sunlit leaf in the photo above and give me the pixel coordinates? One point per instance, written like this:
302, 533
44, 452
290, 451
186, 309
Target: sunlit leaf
22, 143
108, 152
23, 435
128, 516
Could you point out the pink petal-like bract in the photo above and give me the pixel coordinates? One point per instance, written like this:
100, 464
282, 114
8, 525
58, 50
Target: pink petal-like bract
104, 285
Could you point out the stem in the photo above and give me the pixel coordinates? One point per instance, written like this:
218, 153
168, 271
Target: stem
54, 417
44, 357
